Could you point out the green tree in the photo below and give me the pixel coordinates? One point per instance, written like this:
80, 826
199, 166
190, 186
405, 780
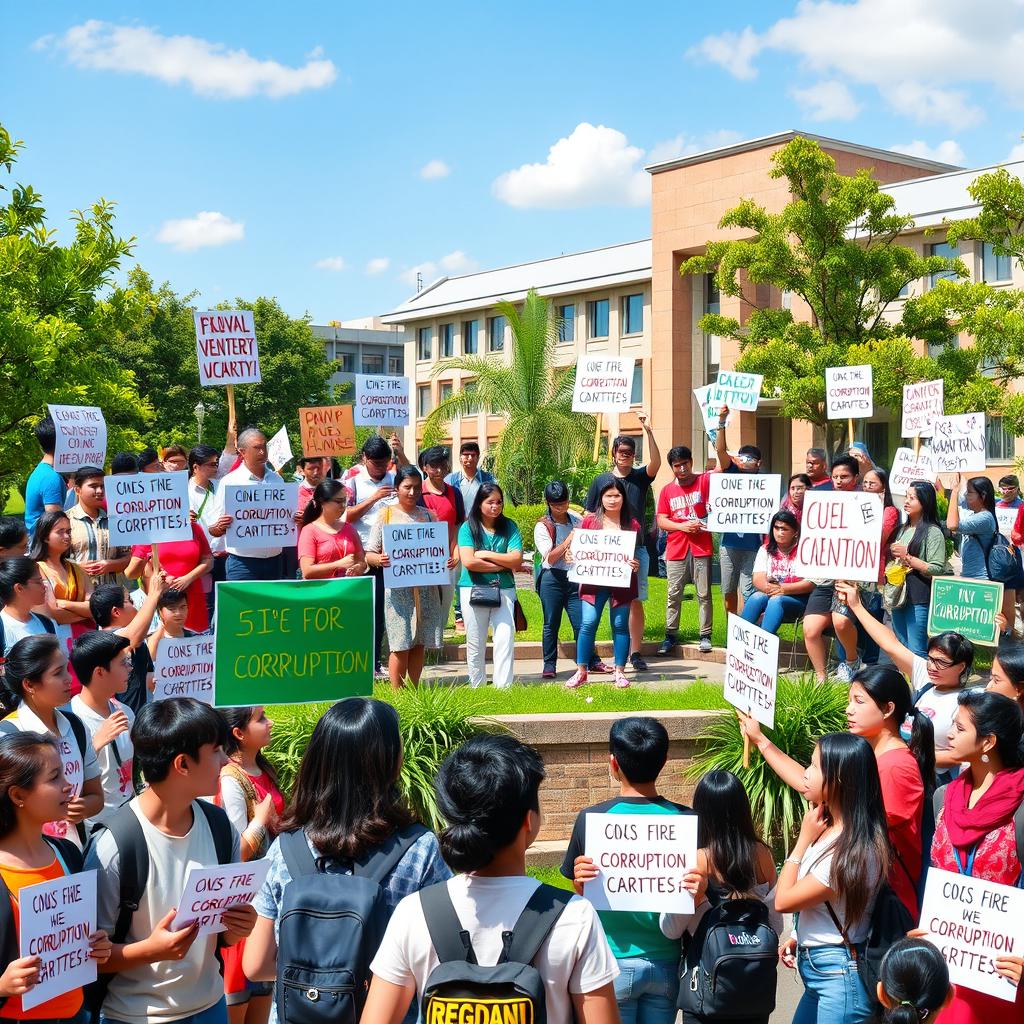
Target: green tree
543, 436
52, 316
835, 246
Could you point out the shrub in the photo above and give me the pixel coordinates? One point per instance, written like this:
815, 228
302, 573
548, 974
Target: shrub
526, 518
804, 710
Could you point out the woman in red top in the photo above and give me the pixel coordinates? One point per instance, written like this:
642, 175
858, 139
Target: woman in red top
613, 514
974, 827
185, 562
329, 548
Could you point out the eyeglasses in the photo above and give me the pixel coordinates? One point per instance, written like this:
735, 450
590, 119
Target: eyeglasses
935, 663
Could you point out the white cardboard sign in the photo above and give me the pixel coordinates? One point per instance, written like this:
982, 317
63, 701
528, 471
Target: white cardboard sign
849, 392
973, 921
148, 508
1007, 520
958, 443
708, 411
908, 467
226, 347
641, 860
81, 437
263, 515
601, 558
921, 404
57, 918
279, 449
184, 668
603, 384
840, 536
418, 553
381, 401
211, 891
742, 502
739, 391
752, 670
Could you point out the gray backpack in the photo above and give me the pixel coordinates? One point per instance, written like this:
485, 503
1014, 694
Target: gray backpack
512, 990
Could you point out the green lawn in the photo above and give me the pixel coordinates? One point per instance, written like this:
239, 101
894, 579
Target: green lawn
552, 876
15, 503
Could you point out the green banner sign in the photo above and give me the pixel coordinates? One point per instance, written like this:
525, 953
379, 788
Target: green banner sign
965, 606
293, 642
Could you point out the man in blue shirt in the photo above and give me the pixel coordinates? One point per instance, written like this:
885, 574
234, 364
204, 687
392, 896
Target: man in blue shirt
45, 490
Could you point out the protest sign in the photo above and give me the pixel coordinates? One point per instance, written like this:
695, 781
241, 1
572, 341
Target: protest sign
601, 558
1007, 520
908, 467
603, 384
211, 891
849, 392
81, 437
958, 443
641, 859
921, 404
841, 536
381, 401
418, 553
184, 668
57, 918
147, 508
226, 348
279, 449
742, 502
293, 641
708, 411
327, 430
262, 515
739, 391
973, 922
965, 606
751, 670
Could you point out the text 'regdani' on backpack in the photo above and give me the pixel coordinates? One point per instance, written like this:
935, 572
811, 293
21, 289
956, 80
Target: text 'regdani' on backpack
330, 928
512, 991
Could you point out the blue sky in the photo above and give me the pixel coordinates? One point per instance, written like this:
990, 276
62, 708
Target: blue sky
322, 152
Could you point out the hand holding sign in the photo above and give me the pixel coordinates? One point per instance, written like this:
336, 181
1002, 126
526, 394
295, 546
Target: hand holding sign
211, 893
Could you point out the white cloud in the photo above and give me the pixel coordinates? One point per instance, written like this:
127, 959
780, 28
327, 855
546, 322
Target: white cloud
458, 262
335, 263
827, 101
687, 145
948, 152
949, 107
593, 166
378, 265
452, 265
1017, 153
207, 228
209, 68
734, 51
434, 169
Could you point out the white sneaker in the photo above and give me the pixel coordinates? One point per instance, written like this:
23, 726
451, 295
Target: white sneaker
705, 645
577, 679
847, 670
620, 680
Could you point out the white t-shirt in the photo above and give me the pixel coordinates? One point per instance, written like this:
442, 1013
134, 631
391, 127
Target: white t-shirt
244, 476
15, 629
361, 486
939, 705
171, 989
116, 772
575, 957
815, 926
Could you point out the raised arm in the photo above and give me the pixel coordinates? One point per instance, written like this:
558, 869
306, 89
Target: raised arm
902, 657
790, 771
721, 447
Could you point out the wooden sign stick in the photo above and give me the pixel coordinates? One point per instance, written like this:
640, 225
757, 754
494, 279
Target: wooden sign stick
156, 559
597, 435
917, 444
849, 430
231, 403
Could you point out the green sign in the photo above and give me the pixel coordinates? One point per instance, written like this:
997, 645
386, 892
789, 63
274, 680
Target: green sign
965, 606
293, 642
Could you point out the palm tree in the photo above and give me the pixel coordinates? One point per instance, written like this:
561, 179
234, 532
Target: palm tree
543, 437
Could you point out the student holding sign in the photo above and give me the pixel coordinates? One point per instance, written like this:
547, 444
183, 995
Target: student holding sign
185, 563
90, 531
329, 548
34, 791
973, 518
781, 593
45, 490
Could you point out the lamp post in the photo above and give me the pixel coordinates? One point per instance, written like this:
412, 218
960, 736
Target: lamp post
200, 411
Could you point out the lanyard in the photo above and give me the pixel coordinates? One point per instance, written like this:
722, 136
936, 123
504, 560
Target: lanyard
202, 504
969, 870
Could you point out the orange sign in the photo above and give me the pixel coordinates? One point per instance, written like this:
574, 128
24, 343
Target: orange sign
327, 430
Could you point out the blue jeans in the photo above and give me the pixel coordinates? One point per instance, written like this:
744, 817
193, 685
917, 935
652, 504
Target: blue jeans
240, 568
216, 1014
833, 991
588, 629
776, 610
910, 624
557, 595
646, 991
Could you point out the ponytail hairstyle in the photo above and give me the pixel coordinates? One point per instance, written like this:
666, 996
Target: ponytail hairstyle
326, 490
239, 718
885, 685
993, 715
21, 762
915, 982
484, 790
852, 791
26, 661
725, 830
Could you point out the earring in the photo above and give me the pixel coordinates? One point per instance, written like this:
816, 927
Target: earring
984, 758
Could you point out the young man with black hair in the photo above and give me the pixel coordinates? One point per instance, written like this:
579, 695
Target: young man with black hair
90, 536
123, 464
172, 611
647, 986
13, 537
102, 662
162, 975
816, 467
45, 490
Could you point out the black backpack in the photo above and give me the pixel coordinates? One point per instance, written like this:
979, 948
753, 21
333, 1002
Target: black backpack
1003, 560
330, 927
512, 990
730, 966
133, 859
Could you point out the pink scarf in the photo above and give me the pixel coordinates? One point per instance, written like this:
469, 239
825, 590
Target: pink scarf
967, 826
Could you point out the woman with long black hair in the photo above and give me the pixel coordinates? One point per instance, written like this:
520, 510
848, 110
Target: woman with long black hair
329, 548
781, 593
973, 517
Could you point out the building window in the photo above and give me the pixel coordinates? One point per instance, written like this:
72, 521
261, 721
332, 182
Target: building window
786, 299
470, 337
423, 400
998, 440
446, 332
633, 314
566, 324
469, 389
347, 361
496, 333
395, 367
597, 318
425, 343
373, 364
949, 252
712, 297
444, 391
994, 267
637, 395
